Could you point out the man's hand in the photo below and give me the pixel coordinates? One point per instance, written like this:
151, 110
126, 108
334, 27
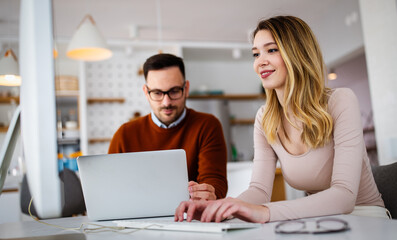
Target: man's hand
201, 191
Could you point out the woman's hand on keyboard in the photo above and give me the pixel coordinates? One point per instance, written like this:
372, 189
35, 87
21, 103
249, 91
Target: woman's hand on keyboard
193, 210
216, 211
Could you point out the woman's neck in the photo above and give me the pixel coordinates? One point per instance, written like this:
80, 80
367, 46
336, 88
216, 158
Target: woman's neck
280, 96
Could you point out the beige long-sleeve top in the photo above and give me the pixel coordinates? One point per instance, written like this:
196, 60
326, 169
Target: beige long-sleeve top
336, 177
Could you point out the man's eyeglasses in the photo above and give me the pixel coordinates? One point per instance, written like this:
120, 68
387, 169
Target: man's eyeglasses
174, 93
324, 225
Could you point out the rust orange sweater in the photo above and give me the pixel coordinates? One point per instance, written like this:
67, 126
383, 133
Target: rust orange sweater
199, 134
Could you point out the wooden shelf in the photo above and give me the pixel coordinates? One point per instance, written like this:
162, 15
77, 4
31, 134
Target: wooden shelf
230, 96
105, 100
9, 100
66, 93
3, 129
242, 121
9, 190
368, 129
68, 141
99, 140
371, 148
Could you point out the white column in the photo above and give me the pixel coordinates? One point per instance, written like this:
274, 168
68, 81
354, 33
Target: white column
379, 23
83, 109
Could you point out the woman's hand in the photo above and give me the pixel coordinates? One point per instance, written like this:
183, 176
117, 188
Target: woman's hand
193, 210
216, 211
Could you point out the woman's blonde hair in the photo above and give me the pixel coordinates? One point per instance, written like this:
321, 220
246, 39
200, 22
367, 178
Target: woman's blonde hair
305, 93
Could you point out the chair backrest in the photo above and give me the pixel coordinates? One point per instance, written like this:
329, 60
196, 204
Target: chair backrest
386, 180
73, 195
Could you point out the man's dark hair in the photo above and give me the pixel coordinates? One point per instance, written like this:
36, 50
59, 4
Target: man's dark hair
161, 61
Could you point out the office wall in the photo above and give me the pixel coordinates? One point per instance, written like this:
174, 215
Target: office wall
353, 74
216, 69
379, 22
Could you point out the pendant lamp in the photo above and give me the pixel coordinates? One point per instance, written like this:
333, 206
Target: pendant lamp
332, 75
9, 70
87, 43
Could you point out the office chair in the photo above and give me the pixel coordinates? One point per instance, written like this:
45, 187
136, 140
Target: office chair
386, 180
73, 195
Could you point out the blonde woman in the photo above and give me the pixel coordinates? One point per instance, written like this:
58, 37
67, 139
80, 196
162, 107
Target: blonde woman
314, 132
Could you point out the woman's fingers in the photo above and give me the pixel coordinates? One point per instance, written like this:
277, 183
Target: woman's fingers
180, 210
209, 211
215, 209
226, 210
193, 210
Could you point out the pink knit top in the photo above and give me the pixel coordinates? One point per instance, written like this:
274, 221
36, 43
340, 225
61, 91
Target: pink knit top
336, 177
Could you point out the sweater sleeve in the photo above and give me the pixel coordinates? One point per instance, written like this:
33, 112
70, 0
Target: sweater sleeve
212, 157
340, 197
264, 167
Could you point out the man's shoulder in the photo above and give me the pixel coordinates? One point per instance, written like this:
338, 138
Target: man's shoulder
136, 123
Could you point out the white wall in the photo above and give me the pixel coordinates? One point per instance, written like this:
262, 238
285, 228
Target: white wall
379, 22
216, 69
353, 74
339, 41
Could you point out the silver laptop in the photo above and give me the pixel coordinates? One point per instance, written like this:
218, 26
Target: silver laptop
133, 185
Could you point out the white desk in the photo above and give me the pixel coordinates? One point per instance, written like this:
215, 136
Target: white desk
362, 228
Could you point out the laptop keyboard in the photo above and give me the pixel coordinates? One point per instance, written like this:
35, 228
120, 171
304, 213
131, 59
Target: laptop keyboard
194, 226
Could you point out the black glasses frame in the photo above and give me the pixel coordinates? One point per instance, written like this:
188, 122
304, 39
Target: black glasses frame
319, 229
166, 92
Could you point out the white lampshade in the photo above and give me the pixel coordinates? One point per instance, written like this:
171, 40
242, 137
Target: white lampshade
87, 43
9, 70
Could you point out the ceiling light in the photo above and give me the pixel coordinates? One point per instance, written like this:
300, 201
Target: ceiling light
87, 43
332, 75
9, 70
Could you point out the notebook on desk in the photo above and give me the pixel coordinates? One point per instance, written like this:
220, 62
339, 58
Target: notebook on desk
133, 185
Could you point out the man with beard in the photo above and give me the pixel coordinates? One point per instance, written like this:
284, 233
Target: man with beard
171, 125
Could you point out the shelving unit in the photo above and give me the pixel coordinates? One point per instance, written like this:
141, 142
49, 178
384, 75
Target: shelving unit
67, 103
99, 101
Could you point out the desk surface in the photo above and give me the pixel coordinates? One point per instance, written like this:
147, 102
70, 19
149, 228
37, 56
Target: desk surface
361, 228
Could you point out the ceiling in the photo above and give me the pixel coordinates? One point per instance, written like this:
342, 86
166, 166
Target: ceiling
335, 22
